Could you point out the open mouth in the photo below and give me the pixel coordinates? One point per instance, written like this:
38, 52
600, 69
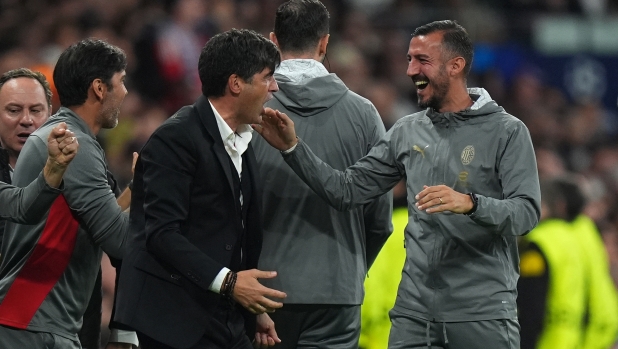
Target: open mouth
23, 136
421, 84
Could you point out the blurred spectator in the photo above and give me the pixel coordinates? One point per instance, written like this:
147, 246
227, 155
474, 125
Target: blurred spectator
601, 312
167, 53
552, 272
565, 270
383, 279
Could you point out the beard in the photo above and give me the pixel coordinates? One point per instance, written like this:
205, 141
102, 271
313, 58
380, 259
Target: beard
109, 117
440, 85
110, 112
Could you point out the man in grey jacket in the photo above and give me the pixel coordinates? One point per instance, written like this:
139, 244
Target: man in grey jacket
321, 254
472, 187
49, 269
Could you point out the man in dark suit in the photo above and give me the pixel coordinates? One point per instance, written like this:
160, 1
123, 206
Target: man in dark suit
188, 279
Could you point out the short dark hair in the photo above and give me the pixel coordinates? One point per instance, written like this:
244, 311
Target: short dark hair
564, 190
300, 24
455, 40
238, 51
82, 63
27, 73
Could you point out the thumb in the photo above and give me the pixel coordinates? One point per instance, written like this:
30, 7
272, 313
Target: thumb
59, 129
273, 334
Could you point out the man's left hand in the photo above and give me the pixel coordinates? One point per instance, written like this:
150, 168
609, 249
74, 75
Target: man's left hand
440, 198
265, 334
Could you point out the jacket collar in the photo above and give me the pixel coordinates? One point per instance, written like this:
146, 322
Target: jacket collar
482, 100
206, 115
76, 121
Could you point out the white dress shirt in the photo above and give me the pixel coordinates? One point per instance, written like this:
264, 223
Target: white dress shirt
236, 143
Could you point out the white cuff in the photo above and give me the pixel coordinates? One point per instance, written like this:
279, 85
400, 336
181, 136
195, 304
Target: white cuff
122, 336
216, 283
289, 150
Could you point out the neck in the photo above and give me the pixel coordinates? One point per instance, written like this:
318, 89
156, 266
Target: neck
88, 113
226, 110
457, 100
315, 55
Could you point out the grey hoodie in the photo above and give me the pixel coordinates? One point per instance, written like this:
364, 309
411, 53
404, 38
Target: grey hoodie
320, 254
458, 267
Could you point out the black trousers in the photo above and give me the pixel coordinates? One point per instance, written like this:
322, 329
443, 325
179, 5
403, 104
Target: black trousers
225, 330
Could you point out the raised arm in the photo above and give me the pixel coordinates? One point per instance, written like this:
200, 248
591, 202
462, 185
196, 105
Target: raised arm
28, 205
372, 176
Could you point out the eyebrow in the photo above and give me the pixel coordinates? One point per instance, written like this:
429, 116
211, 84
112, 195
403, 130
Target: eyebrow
13, 104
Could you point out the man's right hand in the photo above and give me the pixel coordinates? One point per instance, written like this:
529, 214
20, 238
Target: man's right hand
252, 295
277, 129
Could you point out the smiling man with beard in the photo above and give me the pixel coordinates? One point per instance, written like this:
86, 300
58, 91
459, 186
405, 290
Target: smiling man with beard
49, 269
472, 186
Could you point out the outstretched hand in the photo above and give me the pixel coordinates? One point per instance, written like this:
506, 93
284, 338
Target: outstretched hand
252, 295
440, 198
277, 129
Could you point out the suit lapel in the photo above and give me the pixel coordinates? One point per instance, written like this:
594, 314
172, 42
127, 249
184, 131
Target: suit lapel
207, 116
252, 166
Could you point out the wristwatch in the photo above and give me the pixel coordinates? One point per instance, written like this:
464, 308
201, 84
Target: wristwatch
475, 204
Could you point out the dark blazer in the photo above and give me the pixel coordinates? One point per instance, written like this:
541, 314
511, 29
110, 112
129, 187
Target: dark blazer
184, 229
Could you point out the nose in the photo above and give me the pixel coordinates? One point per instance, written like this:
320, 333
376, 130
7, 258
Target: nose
26, 120
273, 86
413, 68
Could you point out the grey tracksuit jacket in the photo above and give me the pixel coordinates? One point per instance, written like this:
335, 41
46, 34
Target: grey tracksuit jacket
458, 267
321, 255
26, 205
49, 269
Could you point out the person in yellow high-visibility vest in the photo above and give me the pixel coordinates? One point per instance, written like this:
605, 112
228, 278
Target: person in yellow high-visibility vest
551, 288
381, 286
601, 325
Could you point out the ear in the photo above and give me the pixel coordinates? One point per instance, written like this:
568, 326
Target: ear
456, 66
322, 44
273, 38
98, 89
235, 84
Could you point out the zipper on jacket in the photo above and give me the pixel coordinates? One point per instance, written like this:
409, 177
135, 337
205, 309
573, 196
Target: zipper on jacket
441, 165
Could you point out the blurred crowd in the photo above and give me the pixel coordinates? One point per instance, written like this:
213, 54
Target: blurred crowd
368, 45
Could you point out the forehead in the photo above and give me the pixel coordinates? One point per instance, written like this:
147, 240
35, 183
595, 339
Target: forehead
426, 44
23, 90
